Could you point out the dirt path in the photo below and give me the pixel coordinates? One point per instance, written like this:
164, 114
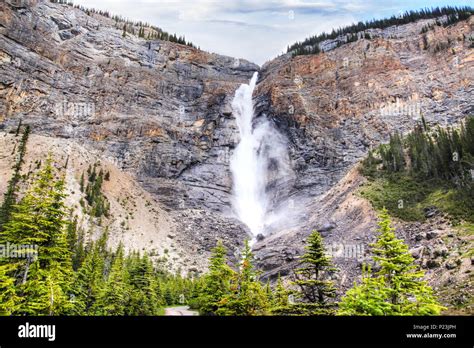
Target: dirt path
177, 311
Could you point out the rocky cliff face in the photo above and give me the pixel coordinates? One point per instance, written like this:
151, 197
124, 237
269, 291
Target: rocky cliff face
159, 114
157, 110
335, 106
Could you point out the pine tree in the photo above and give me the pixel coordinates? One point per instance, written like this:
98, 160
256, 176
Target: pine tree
247, 295
75, 240
392, 154
397, 287
114, 296
143, 296
280, 298
39, 219
368, 298
8, 296
9, 197
315, 289
81, 182
46, 291
216, 283
408, 293
89, 279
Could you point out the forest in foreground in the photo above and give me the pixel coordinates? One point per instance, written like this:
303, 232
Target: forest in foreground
56, 270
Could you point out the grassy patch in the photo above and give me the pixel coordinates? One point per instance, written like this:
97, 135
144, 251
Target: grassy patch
407, 198
466, 232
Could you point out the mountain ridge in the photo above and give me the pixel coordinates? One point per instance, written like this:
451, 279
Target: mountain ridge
157, 114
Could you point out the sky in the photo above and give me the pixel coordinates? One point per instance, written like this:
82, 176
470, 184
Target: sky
256, 30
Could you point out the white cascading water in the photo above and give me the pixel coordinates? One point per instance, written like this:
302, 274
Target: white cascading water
260, 158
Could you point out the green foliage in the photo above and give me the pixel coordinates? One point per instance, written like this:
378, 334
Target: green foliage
247, 296
397, 288
216, 283
311, 45
316, 291
75, 241
144, 295
39, 219
279, 299
177, 290
424, 169
115, 294
98, 203
131, 285
393, 159
10, 195
368, 298
303, 50
223, 291
8, 297
46, 290
90, 278
68, 277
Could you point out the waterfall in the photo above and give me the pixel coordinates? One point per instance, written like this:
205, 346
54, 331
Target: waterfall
260, 166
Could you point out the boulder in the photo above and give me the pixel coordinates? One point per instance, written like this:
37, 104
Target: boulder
417, 252
432, 264
420, 236
430, 212
450, 265
325, 228
432, 234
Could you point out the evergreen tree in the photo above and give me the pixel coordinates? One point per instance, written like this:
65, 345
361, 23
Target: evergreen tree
9, 197
393, 158
216, 283
96, 200
397, 287
46, 291
81, 182
8, 296
280, 298
368, 298
89, 279
143, 296
115, 294
247, 295
315, 289
39, 220
75, 240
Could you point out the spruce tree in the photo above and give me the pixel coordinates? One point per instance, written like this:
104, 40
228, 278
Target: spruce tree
397, 288
46, 291
10, 195
39, 219
316, 291
114, 296
143, 296
408, 293
280, 298
370, 297
216, 283
247, 295
89, 279
8, 296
